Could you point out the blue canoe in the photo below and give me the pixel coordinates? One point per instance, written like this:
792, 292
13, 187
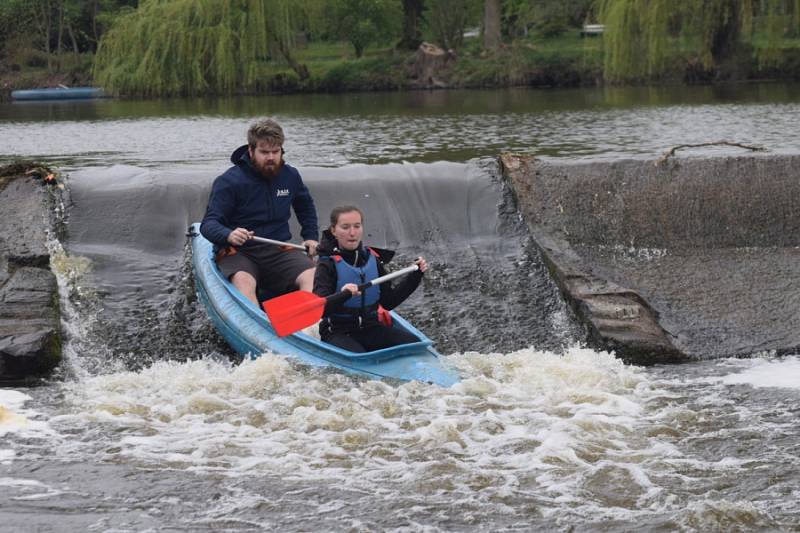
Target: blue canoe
58, 93
248, 331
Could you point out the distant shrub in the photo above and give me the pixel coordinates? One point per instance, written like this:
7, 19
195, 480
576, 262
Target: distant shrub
365, 74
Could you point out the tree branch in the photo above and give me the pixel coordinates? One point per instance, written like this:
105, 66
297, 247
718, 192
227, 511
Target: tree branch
671, 152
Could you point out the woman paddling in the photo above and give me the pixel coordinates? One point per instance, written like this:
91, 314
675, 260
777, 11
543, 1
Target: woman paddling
345, 263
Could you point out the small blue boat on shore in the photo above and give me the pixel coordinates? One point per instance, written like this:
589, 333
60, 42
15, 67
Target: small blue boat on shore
248, 331
58, 93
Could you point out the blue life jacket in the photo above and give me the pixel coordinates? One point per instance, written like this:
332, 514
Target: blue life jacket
358, 310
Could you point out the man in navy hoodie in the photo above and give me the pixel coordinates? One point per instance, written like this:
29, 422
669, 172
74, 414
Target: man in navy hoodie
255, 198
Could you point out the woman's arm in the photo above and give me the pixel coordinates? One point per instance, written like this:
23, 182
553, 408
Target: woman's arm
393, 295
325, 278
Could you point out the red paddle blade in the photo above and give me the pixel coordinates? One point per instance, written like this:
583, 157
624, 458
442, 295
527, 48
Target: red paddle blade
294, 311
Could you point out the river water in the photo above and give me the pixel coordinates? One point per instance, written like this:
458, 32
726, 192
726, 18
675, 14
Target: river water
149, 426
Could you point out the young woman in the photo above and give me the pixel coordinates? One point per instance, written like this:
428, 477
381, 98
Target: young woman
345, 263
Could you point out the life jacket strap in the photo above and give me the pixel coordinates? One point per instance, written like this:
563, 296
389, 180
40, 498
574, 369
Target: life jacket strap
384, 316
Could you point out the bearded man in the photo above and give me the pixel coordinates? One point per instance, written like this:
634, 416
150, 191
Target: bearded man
255, 197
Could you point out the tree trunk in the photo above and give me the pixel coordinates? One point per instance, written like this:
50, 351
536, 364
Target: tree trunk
796, 18
43, 19
491, 24
300, 69
725, 37
431, 66
412, 33
60, 32
94, 26
72, 38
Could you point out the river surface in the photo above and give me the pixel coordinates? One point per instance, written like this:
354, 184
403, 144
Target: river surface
148, 425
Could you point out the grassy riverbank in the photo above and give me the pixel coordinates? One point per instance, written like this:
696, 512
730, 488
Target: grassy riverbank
564, 61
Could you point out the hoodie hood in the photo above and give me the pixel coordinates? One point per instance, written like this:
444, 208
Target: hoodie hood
241, 158
241, 154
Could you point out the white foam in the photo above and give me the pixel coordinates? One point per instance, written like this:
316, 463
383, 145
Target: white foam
15, 482
6, 456
11, 403
533, 415
12, 399
16, 418
28, 489
783, 373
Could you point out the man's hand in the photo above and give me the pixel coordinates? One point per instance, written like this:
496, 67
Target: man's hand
239, 236
311, 246
422, 264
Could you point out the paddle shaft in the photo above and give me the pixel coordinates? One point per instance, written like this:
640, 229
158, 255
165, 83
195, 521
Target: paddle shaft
279, 243
387, 277
343, 295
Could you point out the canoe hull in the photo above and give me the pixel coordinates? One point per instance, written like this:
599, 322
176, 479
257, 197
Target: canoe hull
248, 331
72, 93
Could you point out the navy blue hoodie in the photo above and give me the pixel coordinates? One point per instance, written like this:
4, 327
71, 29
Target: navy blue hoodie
243, 198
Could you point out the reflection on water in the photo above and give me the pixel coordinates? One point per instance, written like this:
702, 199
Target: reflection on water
331, 130
409, 104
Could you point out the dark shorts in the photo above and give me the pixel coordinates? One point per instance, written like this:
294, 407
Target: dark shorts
274, 268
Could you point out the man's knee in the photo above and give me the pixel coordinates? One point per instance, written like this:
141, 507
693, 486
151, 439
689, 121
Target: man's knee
243, 280
305, 281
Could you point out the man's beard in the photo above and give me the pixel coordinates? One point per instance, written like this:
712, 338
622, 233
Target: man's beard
270, 171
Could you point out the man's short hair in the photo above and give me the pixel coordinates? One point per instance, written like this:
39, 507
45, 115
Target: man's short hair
267, 130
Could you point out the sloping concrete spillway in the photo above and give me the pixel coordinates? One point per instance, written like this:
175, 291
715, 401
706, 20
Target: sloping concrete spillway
671, 260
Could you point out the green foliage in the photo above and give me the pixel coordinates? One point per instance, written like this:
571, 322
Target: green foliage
643, 39
365, 22
379, 73
16, 26
635, 37
185, 47
447, 19
563, 61
15, 15
177, 47
310, 17
108, 11
45, 29
549, 18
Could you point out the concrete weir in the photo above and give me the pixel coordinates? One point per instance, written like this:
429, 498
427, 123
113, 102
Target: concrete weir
671, 260
30, 333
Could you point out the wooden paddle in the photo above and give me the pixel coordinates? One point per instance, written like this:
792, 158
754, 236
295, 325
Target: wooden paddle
297, 310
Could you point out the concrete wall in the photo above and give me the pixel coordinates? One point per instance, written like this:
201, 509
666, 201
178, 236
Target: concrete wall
30, 331
687, 258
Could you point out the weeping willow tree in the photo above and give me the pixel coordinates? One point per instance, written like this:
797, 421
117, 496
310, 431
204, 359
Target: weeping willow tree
643, 36
184, 47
